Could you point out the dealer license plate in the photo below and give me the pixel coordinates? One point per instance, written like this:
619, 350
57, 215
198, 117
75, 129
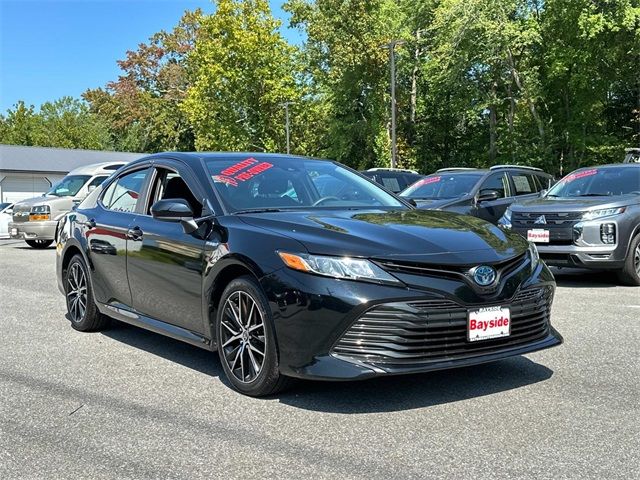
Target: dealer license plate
488, 323
538, 236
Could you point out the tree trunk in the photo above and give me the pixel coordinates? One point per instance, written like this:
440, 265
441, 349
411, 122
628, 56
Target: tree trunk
414, 80
493, 123
512, 114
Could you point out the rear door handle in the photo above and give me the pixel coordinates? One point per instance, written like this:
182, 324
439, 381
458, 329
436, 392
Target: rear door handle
134, 234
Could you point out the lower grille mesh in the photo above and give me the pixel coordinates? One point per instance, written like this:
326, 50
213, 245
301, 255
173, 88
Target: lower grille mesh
437, 330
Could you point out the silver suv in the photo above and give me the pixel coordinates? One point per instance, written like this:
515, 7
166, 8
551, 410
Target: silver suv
589, 219
35, 220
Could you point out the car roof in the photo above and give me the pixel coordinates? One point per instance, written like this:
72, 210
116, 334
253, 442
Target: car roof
95, 168
610, 166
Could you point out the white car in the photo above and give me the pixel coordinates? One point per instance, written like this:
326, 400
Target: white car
6, 209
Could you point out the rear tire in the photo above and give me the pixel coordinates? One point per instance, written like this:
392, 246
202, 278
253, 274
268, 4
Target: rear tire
39, 243
81, 306
246, 340
630, 273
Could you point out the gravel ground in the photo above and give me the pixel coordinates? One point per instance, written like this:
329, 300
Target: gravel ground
127, 403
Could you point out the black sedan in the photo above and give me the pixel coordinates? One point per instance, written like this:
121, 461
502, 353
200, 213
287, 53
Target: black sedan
243, 254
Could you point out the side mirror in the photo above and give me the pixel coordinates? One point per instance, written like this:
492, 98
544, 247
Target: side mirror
543, 192
91, 188
412, 201
175, 210
488, 196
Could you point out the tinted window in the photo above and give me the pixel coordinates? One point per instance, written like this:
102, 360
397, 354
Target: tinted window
97, 181
69, 185
122, 195
524, 183
287, 183
497, 182
598, 182
442, 186
544, 181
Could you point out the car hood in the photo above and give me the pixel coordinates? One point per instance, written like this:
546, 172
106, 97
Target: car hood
60, 203
555, 204
410, 235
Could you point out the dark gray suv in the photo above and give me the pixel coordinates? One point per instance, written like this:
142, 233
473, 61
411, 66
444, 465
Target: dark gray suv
478, 192
590, 219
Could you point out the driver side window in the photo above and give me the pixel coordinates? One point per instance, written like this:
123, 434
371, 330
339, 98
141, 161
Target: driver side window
122, 195
170, 185
497, 182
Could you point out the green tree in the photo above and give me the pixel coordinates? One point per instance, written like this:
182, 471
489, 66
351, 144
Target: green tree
241, 72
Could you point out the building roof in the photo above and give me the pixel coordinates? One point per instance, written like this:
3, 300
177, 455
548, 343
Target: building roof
16, 158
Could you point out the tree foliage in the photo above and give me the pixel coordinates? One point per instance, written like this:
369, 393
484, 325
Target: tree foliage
550, 83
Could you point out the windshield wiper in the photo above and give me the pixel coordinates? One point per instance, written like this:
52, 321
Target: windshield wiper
257, 210
594, 195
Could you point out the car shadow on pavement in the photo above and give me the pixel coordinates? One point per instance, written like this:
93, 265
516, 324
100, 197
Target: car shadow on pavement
386, 394
407, 392
580, 278
176, 351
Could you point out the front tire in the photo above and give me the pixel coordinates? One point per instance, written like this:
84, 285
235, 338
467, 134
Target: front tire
246, 340
39, 244
81, 306
630, 273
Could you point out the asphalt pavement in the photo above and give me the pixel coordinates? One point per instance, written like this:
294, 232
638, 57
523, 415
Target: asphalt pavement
127, 403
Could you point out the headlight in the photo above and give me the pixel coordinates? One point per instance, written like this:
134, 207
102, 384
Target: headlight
337, 267
40, 209
607, 212
534, 255
39, 213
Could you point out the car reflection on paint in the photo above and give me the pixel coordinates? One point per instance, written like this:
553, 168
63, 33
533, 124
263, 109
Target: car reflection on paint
285, 277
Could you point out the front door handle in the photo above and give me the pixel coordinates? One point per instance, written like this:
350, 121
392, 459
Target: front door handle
134, 234
90, 223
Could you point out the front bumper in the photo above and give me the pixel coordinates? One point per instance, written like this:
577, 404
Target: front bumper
45, 230
312, 315
599, 258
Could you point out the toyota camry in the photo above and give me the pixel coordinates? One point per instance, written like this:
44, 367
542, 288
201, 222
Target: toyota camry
297, 267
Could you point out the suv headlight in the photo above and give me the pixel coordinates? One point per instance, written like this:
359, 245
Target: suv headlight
39, 213
606, 212
337, 267
534, 255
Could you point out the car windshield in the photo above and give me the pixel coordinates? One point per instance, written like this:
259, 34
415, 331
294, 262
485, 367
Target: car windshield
442, 186
69, 186
596, 182
281, 183
3, 206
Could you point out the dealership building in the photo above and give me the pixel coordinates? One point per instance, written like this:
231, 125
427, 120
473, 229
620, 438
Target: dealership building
27, 172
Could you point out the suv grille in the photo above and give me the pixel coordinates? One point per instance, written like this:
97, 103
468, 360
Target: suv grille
560, 225
428, 330
21, 213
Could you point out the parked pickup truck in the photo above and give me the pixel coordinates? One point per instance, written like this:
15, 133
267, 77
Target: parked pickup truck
35, 220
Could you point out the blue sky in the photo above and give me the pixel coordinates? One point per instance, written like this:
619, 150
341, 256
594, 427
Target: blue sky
51, 48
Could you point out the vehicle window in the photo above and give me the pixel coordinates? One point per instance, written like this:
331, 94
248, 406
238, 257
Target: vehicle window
122, 195
524, 183
442, 186
395, 184
286, 183
96, 182
170, 185
598, 182
69, 185
497, 182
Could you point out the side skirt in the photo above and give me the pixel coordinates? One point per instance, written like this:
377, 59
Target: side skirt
125, 315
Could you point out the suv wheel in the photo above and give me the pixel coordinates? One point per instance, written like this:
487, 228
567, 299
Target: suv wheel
39, 243
630, 273
81, 307
246, 341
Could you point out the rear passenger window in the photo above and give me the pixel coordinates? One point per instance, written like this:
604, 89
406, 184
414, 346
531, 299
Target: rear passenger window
524, 183
392, 183
122, 195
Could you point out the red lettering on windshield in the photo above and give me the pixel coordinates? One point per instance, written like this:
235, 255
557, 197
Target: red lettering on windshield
427, 181
578, 175
231, 175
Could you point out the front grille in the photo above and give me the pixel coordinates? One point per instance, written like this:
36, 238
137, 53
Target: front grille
21, 213
560, 225
430, 330
412, 268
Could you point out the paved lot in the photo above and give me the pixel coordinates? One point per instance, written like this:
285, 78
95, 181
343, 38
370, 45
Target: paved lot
127, 403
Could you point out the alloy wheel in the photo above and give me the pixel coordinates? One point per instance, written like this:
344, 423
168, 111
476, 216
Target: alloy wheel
76, 292
243, 336
636, 259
